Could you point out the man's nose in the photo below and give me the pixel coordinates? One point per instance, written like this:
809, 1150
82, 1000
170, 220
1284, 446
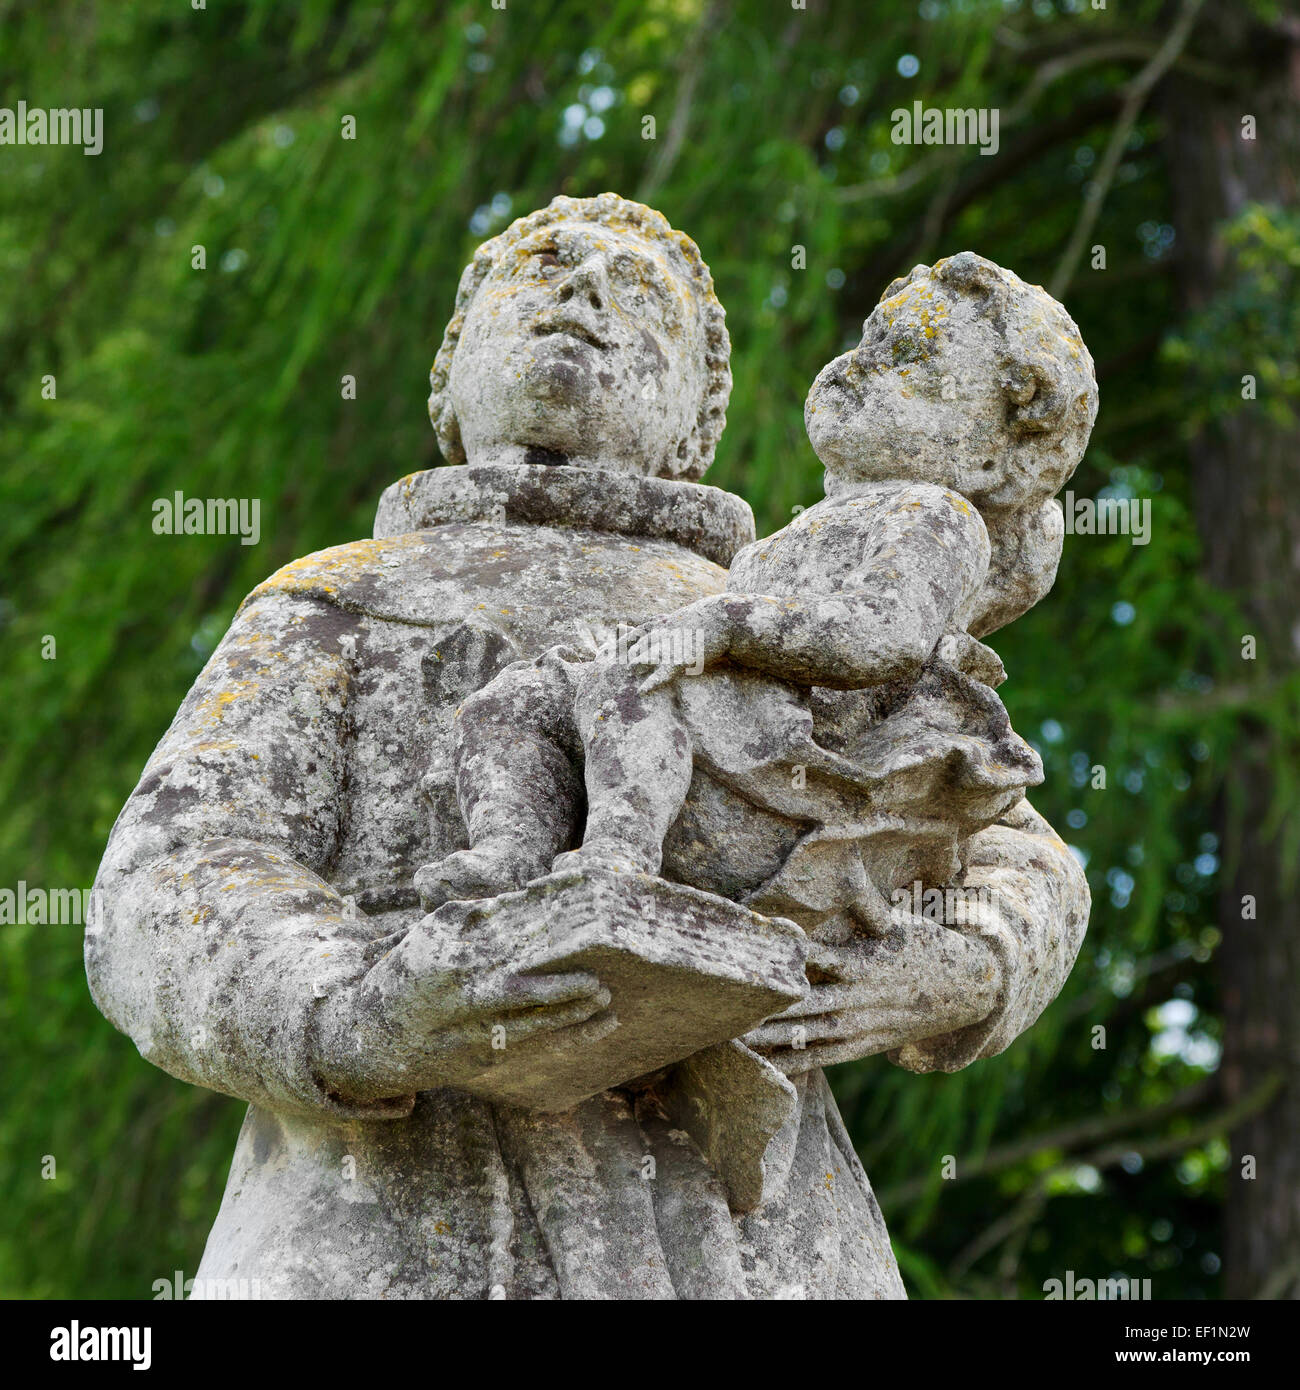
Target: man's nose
589, 281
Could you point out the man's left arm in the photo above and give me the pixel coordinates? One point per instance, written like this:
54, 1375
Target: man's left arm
936, 996
1031, 912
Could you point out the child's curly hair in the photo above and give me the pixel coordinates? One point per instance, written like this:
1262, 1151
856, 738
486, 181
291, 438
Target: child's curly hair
1049, 387
1048, 379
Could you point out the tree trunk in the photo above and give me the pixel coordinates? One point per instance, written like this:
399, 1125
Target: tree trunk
1246, 478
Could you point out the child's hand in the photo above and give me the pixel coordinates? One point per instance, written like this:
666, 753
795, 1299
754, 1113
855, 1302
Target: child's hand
684, 643
981, 663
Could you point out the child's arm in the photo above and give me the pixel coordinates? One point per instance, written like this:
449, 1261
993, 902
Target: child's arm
929, 555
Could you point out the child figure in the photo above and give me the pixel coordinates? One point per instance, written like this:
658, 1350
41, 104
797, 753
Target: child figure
843, 738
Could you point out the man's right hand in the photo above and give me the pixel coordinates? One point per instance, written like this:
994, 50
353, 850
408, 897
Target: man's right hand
438, 1010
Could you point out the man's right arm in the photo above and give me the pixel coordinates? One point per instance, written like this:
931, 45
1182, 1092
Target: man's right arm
220, 947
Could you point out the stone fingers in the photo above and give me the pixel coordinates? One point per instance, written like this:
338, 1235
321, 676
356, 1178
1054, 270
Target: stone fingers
574, 1003
662, 675
580, 987
872, 1030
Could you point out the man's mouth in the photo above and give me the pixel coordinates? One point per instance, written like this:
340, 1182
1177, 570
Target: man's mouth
570, 328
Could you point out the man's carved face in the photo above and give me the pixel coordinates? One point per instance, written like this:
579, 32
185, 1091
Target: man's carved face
583, 345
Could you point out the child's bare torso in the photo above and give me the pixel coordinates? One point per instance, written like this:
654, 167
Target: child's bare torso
840, 542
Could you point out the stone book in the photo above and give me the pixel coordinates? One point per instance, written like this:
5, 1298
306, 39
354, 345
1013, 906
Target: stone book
685, 970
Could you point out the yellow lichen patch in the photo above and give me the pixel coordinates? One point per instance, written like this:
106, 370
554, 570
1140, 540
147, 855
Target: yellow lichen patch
326, 571
212, 708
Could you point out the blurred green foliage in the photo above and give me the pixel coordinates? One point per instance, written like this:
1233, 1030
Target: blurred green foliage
328, 257
1261, 314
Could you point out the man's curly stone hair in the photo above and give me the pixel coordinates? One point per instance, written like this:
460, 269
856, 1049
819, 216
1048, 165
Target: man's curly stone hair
609, 210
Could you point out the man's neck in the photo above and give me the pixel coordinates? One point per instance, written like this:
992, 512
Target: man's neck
537, 455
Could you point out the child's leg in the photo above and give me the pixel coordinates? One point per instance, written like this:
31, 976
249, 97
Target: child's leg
515, 748
638, 767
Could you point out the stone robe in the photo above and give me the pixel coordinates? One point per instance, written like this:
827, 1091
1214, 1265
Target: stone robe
265, 860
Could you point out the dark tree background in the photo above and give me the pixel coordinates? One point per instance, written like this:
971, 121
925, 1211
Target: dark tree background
1147, 174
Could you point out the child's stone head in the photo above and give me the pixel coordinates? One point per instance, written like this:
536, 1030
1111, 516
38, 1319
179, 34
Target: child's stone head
966, 377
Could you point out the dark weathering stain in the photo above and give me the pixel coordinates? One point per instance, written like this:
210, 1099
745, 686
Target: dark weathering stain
325, 624
266, 1136
170, 801
549, 458
628, 703
656, 353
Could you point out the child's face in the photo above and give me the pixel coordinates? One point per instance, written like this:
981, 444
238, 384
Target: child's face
920, 398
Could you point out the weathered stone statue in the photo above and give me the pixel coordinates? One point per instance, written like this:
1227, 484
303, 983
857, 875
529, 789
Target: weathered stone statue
668, 879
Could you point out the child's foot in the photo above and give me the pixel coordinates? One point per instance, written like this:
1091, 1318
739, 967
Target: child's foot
607, 856
481, 872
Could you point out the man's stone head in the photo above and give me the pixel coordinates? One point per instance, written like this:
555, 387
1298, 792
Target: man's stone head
586, 333
967, 377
